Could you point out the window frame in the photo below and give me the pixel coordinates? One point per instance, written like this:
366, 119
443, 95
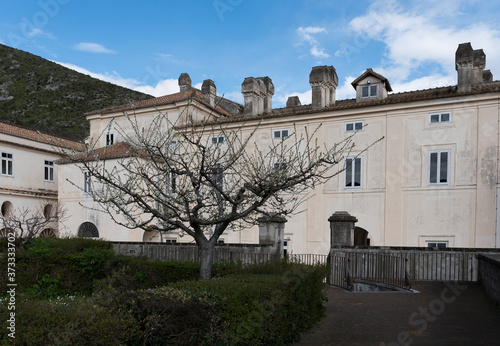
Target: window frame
438, 168
9, 164
49, 171
353, 172
87, 182
109, 139
369, 87
437, 242
353, 123
280, 131
217, 140
440, 115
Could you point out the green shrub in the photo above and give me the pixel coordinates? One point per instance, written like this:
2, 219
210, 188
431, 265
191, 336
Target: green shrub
272, 307
68, 321
165, 316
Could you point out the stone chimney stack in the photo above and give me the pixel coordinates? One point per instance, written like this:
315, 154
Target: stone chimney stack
184, 82
209, 91
258, 94
293, 101
324, 81
470, 65
268, 94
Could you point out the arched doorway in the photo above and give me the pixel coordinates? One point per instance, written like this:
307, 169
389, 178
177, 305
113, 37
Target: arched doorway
88, 230
361, 237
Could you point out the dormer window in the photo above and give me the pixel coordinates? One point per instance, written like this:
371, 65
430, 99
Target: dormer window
369, 90
371, 86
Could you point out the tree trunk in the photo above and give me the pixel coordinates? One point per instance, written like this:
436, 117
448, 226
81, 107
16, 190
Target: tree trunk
206, 255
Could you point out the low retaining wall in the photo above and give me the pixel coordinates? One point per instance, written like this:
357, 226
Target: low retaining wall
245, 253
489, 275
425, 264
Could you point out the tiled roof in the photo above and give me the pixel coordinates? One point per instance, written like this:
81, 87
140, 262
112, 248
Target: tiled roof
115, 151
36, 136
411, 96
159, 101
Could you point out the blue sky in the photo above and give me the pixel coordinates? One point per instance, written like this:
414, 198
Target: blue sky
146, 45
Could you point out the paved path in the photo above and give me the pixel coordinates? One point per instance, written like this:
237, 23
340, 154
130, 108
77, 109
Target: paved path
441, 314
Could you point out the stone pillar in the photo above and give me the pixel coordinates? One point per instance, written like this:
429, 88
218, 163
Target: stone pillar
342, 229
250, 89
209, 91
293, 101
272, 232
184, 82
268, 96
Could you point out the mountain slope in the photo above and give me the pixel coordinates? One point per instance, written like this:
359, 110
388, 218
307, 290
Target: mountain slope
42, 95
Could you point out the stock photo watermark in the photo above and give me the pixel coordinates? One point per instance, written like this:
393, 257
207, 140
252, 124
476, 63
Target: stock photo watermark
32, 25
11, 284
223, 6
426, 315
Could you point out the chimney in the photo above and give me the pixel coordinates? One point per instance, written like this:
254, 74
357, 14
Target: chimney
293, 101
209, 91
184, 82
250, 89
268, 94
470, 65
324, 81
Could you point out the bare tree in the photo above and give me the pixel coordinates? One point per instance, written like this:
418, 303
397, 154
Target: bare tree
204, 178
28, 223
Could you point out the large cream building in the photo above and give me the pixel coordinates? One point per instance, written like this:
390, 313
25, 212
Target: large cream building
431, 181
28, 174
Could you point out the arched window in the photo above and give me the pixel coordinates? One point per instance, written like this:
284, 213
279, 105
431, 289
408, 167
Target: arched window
7, 209
88, 230
47, 233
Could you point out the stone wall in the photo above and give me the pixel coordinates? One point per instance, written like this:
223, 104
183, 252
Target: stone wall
245, 253
489, 275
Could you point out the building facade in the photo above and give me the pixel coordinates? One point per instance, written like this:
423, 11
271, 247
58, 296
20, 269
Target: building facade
428, 178
28, 174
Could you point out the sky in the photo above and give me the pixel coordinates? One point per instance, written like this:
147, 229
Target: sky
145, 45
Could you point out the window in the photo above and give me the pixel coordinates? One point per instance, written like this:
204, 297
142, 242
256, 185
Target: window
220, 241
280, 134
7, 165
439, 165
170, 241
217, 140
353, 169
369, 90
87, 182
48, 170
172, 183
110, 138
218, 176
438, 244
440, 118
281, 171
354, 126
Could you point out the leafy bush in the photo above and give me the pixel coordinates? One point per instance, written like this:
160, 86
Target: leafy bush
165, 316
68, 321
52, 267
272, 307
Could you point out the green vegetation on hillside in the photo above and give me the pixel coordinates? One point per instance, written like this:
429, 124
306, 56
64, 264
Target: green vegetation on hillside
42, 95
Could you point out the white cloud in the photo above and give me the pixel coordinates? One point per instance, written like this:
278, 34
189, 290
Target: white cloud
305, 98
164, 87
423, 36
91, 47
307, 35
